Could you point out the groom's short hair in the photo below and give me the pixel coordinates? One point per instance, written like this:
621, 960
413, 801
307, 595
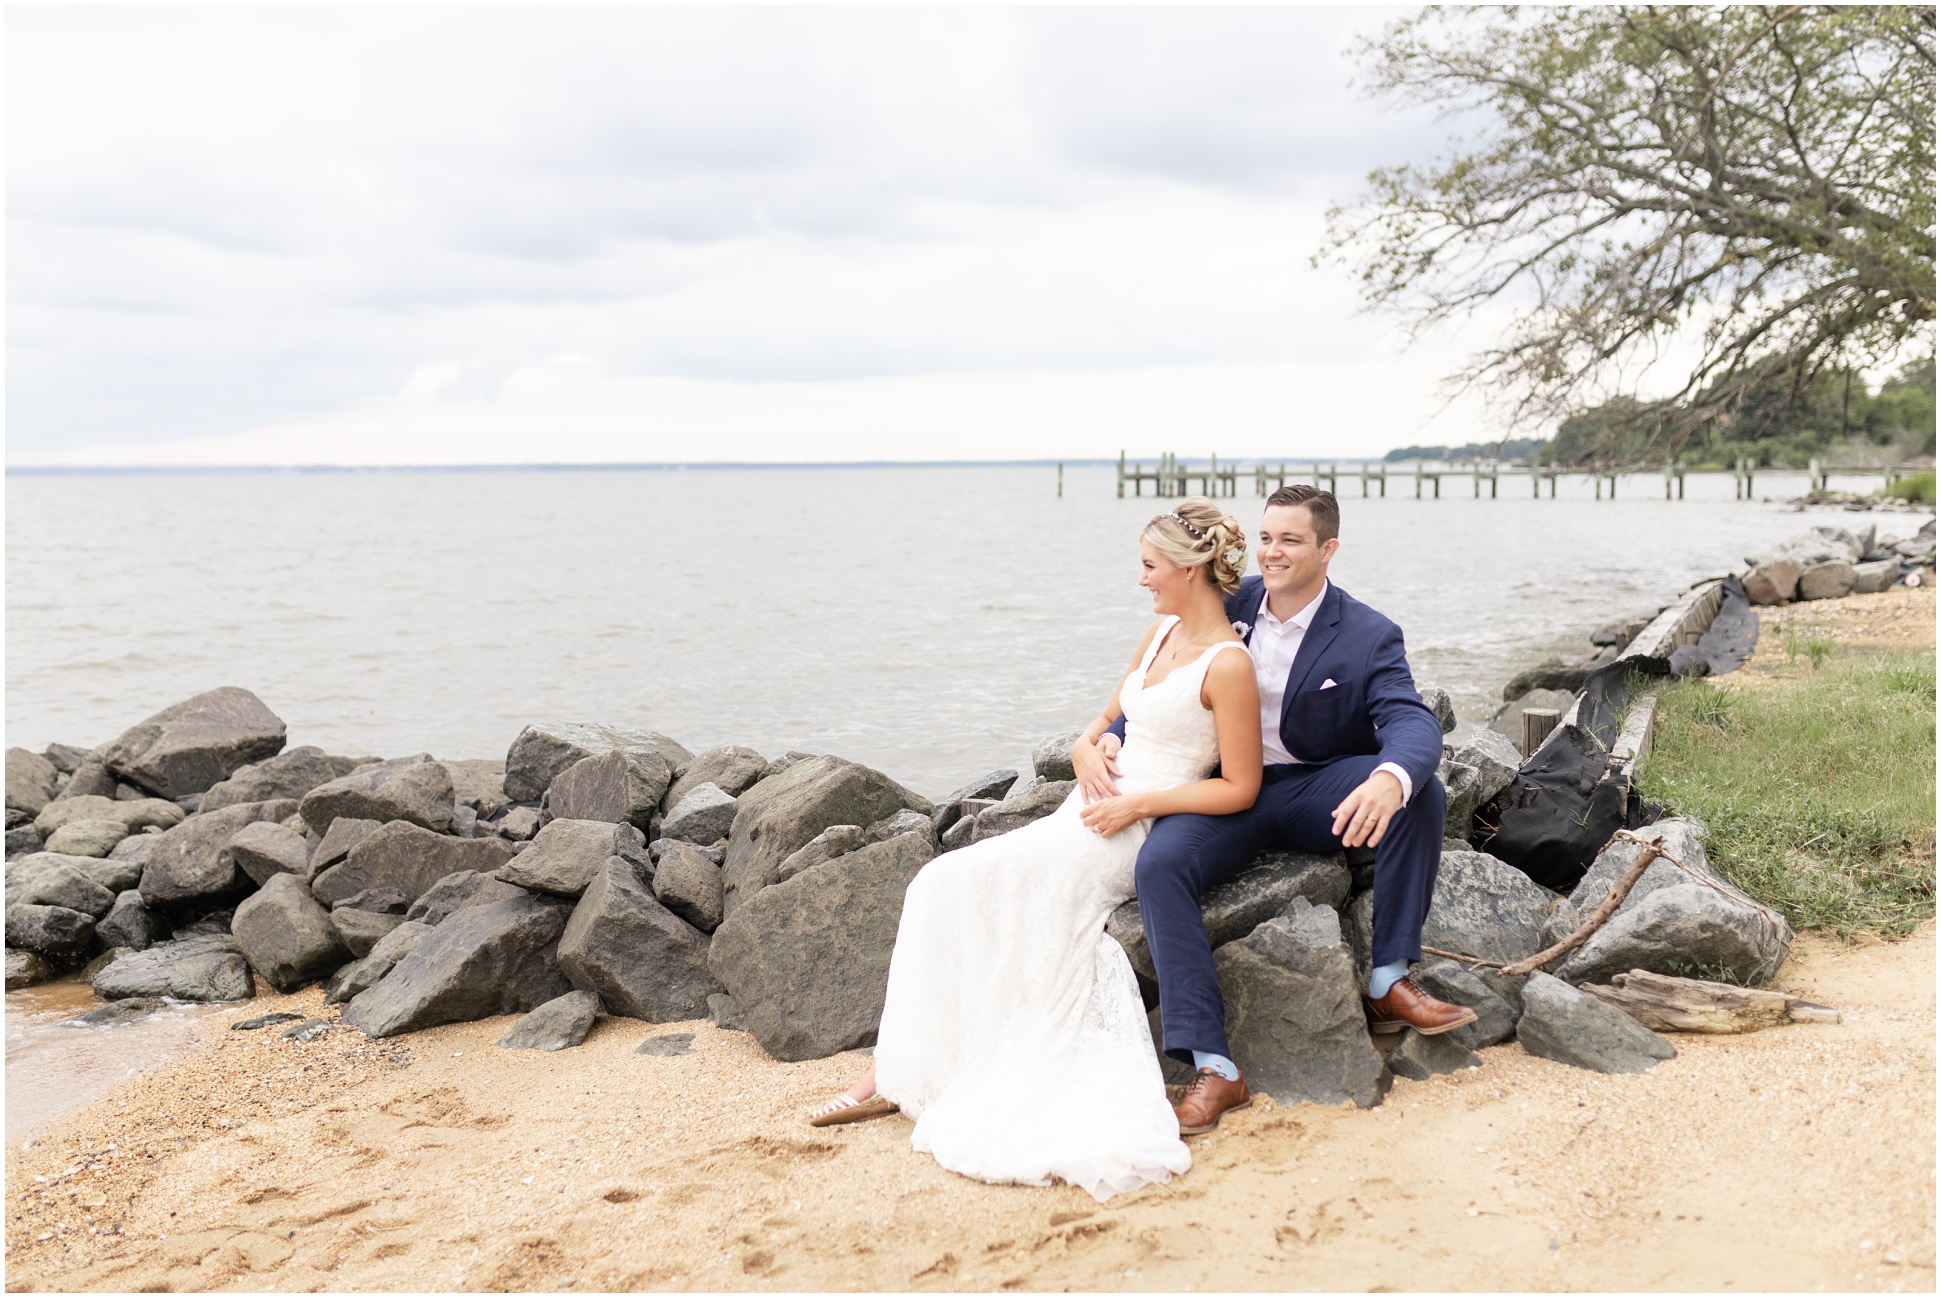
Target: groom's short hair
1321, 506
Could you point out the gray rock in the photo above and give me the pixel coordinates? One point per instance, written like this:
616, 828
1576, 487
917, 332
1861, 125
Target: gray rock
1828, 580
1419, 1058
32, 781
704, 816
28, 969
359, 975
307, 1031
379, 901
409, 859
567, 854
949, 813
91, 779
1552, 675
117, 1013
1481, 907
479, 783
542, 751
286, 936
415, 789
129, 923
1448, 981
559, 1024
264, 848
1700, 927
725, 1011
345, 832
898, 824
959, 834
1294, 1015
498, 958
287, 775
616, 787
785, 811
458, 890
22, 840
66, 758
191, 865
360, 930
518, 824
195, 967
258, 1022
689, 884
668, 1044
136, 849
1477, 771
835, 841
57, 932
990, 788
1508, 720
400, 941
644, 961
1561, 1023
1772, 580
87, 837
1233, 909
1437, 700
1051, 759
1872, 578
809, 960
137, 815
1020, 809
46, 879
196, 743
733, 770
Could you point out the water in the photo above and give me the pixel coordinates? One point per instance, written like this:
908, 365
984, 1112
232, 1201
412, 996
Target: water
932, 622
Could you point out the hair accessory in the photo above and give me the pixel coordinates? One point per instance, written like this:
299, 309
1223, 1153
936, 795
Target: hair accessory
1196, 533
1235, 557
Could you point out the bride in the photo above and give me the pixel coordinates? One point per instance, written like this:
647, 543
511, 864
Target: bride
1013, 1032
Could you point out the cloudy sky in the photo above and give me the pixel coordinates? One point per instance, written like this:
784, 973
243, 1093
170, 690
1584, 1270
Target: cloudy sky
442, 235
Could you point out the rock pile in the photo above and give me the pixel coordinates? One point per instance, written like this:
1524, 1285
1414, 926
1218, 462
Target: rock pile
1826, 562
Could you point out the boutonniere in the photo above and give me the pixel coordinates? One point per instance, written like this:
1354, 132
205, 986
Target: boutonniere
1242, 629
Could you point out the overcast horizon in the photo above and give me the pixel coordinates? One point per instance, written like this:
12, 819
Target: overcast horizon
418, 237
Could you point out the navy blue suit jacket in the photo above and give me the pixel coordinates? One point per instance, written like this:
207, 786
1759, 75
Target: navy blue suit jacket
1372, 708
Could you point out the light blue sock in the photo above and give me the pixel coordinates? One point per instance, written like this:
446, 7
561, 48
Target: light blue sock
1386, 977
1218, 1063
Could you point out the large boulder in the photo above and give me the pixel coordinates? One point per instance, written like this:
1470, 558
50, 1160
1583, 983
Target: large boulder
479, 783
87, 837
1481, 907
732, 769
137, 814
617, 787
1233, 909
835, 841
1672, 922
1872, 578
484, 960
1294, 1011
129, 923
114, 874
1419, 1058
808, 960
641, 959
1051, 758
1829, 580
1476, 772
566, 855
455, 892
28, 969
57, 932
1020, 809
21, 841
287, 775
542, 751
416, 789
32, 781
46, 879
1772, 579
191, 865
344, 833
361, 930
196, 743
704, 816
785, 811
265, 847
91, 779
1449, 981
135, 850
286, 936
559, 1024
409, 858
689, 884
1508, 721
1561, 1023
989, 787
361, 975
192, 967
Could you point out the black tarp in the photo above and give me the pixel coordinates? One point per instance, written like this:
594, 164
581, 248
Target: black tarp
1727, 643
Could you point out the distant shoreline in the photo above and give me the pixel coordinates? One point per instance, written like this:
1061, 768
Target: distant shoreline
621, 467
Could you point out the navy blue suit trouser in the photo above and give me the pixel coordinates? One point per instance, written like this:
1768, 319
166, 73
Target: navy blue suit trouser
1187, 854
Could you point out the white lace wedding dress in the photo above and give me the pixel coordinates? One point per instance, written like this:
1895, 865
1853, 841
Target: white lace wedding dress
1013, 1032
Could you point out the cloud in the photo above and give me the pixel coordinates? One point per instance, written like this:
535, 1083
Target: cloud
245, 227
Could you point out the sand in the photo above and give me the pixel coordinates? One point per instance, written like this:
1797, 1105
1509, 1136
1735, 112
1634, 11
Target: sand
1899, 618
1798, 1158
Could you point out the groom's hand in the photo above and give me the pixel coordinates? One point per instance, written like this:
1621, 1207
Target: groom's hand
1363, 816
1097, 767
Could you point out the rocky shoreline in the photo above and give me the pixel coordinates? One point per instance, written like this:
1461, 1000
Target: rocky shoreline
602, 869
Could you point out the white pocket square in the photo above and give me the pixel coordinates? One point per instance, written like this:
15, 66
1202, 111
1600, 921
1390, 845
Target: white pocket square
1328, 684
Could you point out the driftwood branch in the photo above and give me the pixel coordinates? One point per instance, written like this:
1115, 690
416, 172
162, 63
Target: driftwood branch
1666, 1004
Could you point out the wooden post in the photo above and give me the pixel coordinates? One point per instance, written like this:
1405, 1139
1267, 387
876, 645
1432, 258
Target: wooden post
1536, 482
1122, 474
1537, 725
1418, 479
1061, 479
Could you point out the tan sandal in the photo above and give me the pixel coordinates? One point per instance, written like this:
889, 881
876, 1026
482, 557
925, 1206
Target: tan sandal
842, 1110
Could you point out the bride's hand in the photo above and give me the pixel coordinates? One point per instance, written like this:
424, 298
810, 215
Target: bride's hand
1097, 768
1110, 815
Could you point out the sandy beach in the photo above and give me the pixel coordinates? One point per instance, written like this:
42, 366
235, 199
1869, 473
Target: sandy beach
1798, 1158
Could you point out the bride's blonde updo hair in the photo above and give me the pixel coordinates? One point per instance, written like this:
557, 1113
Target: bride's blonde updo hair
1198, 532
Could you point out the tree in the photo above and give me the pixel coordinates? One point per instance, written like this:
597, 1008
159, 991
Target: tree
1749, 188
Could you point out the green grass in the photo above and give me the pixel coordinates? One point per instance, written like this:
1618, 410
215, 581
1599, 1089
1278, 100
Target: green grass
1817, 794
1917, 487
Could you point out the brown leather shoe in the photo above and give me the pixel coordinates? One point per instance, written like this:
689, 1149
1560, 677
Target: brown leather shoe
1408, 1006
1207, 1098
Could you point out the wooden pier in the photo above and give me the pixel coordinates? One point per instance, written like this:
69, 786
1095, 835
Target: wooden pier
1172, 476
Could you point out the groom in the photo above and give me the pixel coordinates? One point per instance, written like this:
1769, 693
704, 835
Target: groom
1351, 754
